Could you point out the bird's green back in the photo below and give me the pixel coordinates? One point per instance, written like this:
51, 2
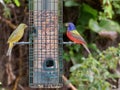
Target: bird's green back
17, 33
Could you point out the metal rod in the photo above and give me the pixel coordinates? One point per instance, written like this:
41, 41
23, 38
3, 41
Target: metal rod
29, 43
69, 43
22, 43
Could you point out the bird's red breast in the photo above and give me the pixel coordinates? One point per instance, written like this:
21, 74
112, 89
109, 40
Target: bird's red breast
75, 38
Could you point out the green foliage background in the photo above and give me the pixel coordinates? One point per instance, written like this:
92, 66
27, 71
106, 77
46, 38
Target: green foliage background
93, 72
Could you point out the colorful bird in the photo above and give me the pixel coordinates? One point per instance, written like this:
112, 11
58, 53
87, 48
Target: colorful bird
15, 37
74, 36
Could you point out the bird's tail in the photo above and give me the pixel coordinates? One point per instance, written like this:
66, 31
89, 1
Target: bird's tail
9, 50
86, 48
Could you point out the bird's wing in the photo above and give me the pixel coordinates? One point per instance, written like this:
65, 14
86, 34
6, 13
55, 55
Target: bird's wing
15, 35
76, 35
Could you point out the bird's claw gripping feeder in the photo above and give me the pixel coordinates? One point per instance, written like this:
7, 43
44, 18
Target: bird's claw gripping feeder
45, 48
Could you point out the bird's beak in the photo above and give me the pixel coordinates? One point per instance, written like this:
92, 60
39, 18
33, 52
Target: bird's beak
66, 24
26, 26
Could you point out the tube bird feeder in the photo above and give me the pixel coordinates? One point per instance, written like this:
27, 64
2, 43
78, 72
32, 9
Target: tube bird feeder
45, 48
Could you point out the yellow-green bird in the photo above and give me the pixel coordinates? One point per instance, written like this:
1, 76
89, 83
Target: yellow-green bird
16, 35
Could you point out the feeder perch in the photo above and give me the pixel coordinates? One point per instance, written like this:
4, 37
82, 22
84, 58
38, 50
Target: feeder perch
45, 48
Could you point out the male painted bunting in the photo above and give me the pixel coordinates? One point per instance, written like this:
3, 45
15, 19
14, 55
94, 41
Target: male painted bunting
74, 36
15, 37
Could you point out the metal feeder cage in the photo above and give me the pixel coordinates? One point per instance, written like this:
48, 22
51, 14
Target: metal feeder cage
46, 43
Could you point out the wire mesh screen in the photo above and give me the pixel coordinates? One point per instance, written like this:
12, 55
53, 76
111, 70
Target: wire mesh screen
45, 49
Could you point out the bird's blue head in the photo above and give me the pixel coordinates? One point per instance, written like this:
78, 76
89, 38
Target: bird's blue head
71, 26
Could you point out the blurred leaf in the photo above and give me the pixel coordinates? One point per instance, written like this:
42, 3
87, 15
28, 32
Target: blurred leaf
108, 10
104, 25
80, 29
7, 1
86, 13
93, 25
17, 3
70, 3
93, 46
116, 5
73, 68
89, 10
91, 78
66, 57
109, 25
6, 13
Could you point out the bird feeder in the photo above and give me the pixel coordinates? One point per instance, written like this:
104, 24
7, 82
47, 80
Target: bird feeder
45, 48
